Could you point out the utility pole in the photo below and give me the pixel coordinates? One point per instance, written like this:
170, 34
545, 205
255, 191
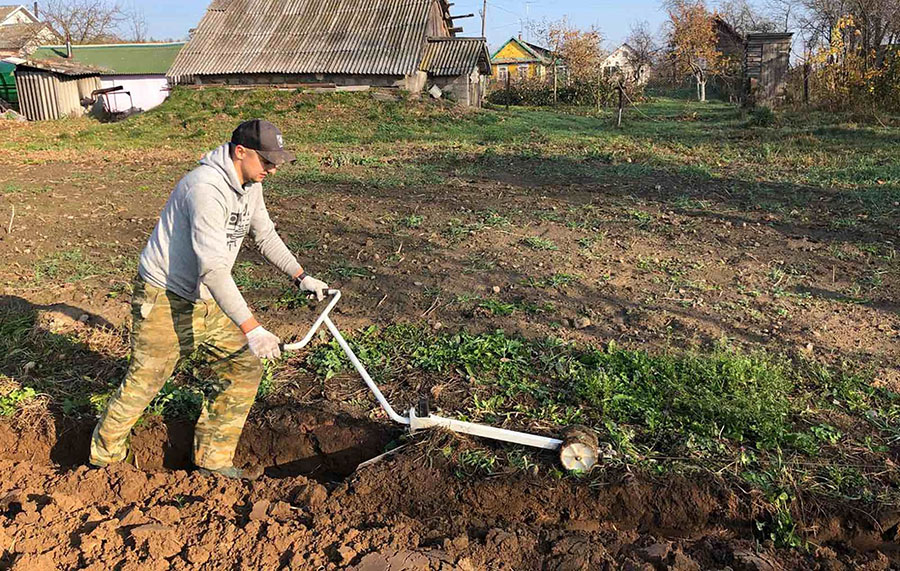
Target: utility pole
621, 89
507, 91
528, 4
483, 16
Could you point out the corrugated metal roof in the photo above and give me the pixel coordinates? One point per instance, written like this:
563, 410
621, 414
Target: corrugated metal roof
456, 56
367, 37
45, 96
119, 59
61, 67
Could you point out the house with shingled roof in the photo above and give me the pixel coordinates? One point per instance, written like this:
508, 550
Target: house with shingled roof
335, 44
21, 32
517, 59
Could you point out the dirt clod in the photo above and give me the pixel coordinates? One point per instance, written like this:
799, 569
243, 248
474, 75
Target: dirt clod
197, 555
656, 553
158, 540
748, 561
681, 562
258, 513
405, 512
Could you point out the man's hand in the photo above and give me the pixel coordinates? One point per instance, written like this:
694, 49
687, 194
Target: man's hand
309, 283
263, 344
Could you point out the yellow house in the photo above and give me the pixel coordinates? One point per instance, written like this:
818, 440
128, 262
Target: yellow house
517, 59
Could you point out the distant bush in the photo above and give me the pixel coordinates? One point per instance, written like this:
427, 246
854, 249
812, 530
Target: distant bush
760, 117
536, 92
845, 76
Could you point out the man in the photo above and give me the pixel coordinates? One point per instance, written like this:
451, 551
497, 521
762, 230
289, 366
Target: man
185, 298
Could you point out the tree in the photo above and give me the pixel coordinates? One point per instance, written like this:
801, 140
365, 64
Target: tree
577, 55
136, 24
86, 21
783, 13
843, 46
876, 25
550, 35
693, 41
644, 49
581, 51
745, 17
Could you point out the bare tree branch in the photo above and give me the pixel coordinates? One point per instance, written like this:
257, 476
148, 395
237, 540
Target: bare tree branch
136, 24
86, 21
745, 17
644, 46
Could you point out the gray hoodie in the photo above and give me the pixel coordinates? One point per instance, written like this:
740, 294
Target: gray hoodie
200, 231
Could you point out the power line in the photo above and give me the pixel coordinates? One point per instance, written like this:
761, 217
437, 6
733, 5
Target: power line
491, 4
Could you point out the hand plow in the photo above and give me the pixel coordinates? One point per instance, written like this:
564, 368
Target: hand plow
577, 448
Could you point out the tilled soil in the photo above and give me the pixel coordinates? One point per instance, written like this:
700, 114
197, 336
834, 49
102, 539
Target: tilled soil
645, 271
410, 510
657, 261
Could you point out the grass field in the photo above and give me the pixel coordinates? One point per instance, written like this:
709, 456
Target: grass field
709, 289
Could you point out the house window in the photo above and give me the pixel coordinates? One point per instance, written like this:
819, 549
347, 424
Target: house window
502, 72
523, 71
612, 71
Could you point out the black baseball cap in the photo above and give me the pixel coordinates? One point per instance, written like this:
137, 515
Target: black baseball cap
264, 138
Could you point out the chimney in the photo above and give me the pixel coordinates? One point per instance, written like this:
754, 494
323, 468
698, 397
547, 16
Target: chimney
68, 48
36, 11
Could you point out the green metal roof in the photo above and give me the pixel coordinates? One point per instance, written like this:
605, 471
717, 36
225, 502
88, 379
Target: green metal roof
120, 59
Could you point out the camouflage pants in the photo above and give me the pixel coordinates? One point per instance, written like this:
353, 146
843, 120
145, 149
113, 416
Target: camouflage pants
167, 328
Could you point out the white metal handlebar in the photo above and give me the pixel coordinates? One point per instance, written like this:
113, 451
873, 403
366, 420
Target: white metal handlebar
323, 318
318, 323
413, 421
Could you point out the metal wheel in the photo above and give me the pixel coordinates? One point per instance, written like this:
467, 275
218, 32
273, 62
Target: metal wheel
579, 450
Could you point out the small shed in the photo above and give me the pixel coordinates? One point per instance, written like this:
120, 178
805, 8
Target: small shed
766, 64
459, 67
53, 90
139, 69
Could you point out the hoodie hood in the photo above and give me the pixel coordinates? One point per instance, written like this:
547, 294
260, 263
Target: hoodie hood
220, 160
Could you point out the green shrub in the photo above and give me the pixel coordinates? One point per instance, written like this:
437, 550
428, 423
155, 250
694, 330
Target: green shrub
536, 92
760, 116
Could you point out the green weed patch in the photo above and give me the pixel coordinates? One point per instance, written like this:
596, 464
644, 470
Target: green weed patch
753, 411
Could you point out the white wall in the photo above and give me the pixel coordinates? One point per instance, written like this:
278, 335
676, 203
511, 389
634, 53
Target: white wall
18, 17
619, 59
147, 91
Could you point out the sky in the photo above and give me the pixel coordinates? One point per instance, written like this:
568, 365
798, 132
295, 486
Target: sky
171, 19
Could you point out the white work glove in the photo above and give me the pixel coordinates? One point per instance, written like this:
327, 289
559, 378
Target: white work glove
263, 344
311, 284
